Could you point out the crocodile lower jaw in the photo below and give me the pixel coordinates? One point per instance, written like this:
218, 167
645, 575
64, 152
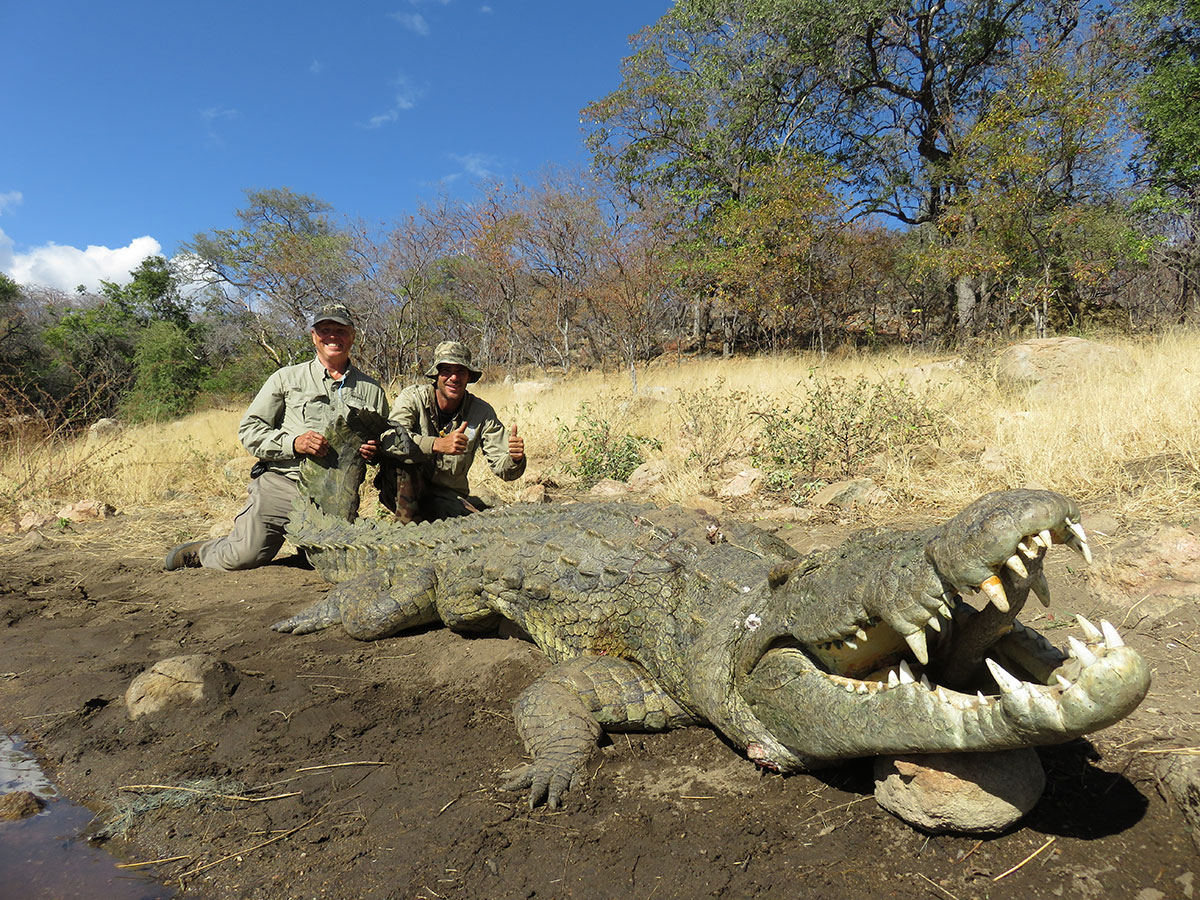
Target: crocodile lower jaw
820, 716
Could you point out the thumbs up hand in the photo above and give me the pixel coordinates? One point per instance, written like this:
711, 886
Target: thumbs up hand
454, 443
516, 445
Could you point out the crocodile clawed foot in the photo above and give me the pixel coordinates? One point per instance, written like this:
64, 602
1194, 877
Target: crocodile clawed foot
546, 781
320, 615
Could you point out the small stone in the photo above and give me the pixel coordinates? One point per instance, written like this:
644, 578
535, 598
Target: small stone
742, 484
19, 805
607, 487
960, 793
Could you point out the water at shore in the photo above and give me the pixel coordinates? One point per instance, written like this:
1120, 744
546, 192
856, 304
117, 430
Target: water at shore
45, 857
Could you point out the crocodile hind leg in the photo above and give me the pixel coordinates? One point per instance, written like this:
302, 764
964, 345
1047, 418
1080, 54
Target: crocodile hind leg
560, 717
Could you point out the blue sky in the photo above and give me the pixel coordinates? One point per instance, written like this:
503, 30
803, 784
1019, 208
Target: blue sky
131, 126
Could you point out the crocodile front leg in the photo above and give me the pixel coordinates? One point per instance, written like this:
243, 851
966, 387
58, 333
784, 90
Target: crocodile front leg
371, 606
560, 717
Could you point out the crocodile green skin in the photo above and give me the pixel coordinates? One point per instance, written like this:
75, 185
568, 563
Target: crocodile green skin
658, 617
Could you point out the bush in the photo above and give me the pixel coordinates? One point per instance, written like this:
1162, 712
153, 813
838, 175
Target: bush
839, 426
597, 453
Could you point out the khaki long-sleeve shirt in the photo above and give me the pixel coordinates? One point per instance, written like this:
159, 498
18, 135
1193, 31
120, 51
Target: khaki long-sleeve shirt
305, 397
416, 410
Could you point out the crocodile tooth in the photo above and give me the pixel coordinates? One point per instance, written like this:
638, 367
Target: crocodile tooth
893, 678
935, 623
850, 644
1014, 563
860, 635
1080, 651
926, 683
1062, 682
1039, 541
1029, 550
941, 694
916, 643
1041, 588
863, 688
980, 699
995, 592
906, 675
1076, 543
850, 688
1090, 631
1006, 682
1112, 640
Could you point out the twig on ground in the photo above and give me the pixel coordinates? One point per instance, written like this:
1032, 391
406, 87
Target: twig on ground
1187, 751
152, 862
171, 787
939, 887
341, 765
1027, 859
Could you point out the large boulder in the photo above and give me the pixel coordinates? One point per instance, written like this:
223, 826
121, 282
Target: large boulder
180, 681
1055, 361
960, 793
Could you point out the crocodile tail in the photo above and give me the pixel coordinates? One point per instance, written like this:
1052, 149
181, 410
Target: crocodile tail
332, 481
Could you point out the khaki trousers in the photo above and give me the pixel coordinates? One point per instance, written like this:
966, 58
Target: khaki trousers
258, 531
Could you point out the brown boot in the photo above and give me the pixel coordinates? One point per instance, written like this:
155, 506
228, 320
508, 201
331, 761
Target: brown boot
185, 556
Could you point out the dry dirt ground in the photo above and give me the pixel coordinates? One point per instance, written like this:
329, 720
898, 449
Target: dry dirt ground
374, 766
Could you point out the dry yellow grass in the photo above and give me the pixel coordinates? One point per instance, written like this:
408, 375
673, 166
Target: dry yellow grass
1127, 442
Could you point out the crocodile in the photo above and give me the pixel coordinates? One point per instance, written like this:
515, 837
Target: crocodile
895, 642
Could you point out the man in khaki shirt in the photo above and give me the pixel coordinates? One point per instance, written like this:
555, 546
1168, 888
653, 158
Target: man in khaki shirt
286, 422
449, 424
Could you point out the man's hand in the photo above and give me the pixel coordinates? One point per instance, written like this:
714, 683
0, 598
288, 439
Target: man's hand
311, 443
368, 450
454, 443
516, 445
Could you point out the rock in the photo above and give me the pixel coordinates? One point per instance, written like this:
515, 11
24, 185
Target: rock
649, 475
86, 511
104, 429
658, 392
523, 390
994, 460
1100, 524
606, 487
32, 520
535, 493
1181, 774
1157, 573
180, 681
742, 484
703, 504
19, 805
1056, 361
860, 492
960, 793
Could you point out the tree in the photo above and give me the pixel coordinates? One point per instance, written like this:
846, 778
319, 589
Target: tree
286, 260
1168, 109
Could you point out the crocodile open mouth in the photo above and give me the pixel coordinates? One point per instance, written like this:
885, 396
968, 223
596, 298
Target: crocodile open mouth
941, 675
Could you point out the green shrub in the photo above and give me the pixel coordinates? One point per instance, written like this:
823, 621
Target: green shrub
596, 453
838, 427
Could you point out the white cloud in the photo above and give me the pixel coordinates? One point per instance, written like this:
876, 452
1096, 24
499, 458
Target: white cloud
406, 97
64, 268
316, 67
477, 164
10, 199
414, 22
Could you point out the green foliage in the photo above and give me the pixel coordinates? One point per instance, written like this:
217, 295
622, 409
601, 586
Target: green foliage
596, 452
1167, 94
167, 374
838, 427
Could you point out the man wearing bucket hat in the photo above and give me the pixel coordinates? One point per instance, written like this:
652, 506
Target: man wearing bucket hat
449, 424
286, 422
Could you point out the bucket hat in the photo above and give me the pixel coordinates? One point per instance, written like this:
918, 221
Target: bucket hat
453, 353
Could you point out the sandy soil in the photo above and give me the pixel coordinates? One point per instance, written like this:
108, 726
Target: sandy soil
375, 765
